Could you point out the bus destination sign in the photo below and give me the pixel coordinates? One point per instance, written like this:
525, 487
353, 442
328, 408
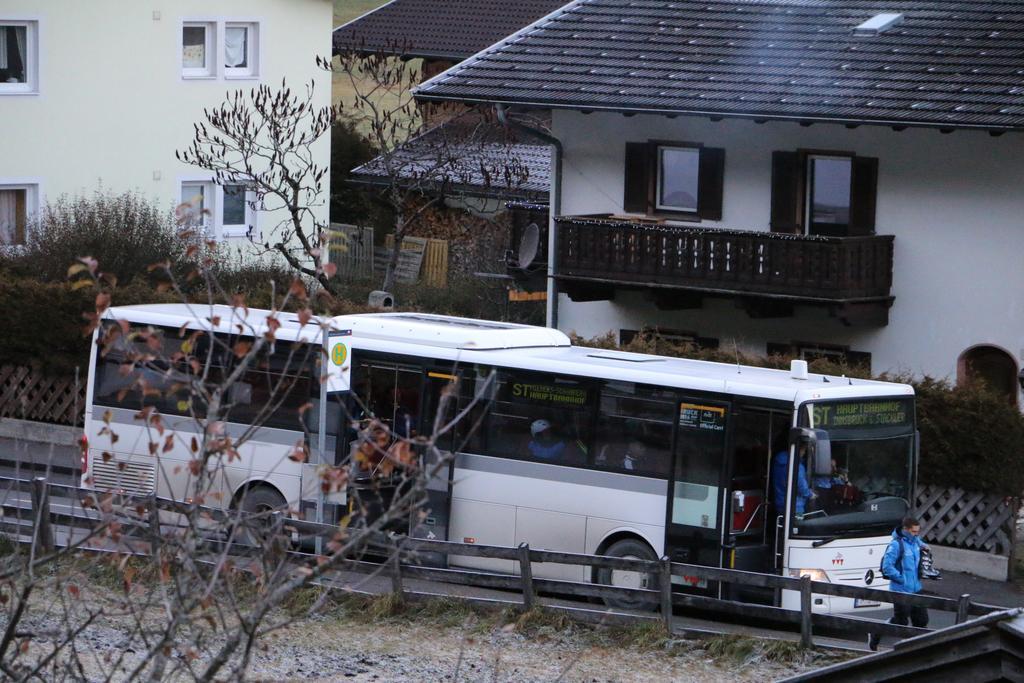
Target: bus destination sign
550, 394
892, 413
695, 416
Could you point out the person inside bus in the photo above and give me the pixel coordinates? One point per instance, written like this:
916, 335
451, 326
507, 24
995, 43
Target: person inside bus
544, 444
780, 470
827, 486
405, 414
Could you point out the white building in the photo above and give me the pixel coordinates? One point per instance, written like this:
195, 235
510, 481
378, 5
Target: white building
773, 173
102, 93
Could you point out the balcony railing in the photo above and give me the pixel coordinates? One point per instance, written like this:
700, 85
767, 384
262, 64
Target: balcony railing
773, 265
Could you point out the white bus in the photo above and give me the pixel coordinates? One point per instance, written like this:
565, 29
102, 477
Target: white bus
588, 451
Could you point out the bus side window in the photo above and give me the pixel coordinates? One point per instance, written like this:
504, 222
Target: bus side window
133, 374
274, 386
476, 392
542, 417
635, 429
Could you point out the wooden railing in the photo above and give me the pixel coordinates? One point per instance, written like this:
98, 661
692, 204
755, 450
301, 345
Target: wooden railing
28, 516
764, 263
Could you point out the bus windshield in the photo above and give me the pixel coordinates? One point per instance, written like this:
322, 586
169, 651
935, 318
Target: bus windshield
868, 488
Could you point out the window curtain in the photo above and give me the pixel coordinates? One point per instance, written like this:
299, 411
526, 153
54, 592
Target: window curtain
3, 46
8, 214
19, 38
235, 46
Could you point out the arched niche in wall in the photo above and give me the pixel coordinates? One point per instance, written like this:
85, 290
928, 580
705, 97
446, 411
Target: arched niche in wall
992, 365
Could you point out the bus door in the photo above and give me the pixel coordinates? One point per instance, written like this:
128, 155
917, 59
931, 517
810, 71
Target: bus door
750, 519
695, 526
387, 393
439, 395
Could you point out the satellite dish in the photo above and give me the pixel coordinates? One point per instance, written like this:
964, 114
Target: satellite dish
528, 245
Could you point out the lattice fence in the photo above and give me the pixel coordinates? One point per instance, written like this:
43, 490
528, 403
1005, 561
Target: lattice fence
966, 519
26, 394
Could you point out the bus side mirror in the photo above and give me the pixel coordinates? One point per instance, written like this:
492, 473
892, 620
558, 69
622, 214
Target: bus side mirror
818, 447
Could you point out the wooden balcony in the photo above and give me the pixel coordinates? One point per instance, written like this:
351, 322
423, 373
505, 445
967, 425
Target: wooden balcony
767, 272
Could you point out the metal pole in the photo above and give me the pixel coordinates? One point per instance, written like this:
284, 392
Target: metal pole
154, 524
805, 612
666, 593
321, 437
526, 574
42, 534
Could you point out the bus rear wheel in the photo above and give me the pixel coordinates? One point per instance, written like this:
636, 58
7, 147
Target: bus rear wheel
630, 549
258, 503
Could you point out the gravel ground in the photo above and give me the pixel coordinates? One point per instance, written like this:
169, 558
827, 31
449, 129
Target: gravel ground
465, 646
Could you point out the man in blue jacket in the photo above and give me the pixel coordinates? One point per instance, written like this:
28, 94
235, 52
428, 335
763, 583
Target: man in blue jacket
901, 564
780, 475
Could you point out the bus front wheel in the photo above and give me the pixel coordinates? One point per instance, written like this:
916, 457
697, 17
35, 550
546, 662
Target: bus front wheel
630, 549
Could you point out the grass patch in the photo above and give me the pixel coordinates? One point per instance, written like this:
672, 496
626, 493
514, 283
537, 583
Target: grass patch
347, 10
7, 546
541, 623
745, 651
642, 636
444, 612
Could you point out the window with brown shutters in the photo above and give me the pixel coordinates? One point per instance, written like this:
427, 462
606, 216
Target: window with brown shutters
812, 351
823, 193
674, 180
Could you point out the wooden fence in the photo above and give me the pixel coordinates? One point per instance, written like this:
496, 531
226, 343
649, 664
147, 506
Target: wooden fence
433, 270
351, 250
27, 394
422, 260
965, 519
34, 521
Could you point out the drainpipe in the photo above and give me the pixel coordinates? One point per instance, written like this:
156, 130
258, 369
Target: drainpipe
554, 205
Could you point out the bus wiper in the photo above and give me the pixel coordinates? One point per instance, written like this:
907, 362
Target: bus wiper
825, 541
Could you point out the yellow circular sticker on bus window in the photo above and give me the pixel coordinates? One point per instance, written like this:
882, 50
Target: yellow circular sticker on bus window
338, 354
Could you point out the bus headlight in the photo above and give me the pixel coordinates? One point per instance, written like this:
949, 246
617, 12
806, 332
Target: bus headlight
815, 574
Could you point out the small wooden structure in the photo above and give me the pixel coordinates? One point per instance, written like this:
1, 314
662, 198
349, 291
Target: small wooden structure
990, 648
421, 260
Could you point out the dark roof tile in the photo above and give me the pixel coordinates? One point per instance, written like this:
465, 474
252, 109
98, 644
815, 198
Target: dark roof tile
447, 29
948, 64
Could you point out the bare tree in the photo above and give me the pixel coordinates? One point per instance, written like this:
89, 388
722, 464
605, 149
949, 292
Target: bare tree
425, 154
199, 579
266, 140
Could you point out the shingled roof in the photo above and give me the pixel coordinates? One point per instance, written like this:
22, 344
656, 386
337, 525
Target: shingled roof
947, 65
467, 156
446, 29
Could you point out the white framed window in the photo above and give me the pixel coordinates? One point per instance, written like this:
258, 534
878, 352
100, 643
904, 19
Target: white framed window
220, 48
19, 202
198, 49
219, 211
19, 57
197, 205
237, 218
241, 49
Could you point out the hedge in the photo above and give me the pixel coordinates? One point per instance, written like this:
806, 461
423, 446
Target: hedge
971, 437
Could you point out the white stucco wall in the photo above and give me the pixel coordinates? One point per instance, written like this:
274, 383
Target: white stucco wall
112, 105
954, 203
